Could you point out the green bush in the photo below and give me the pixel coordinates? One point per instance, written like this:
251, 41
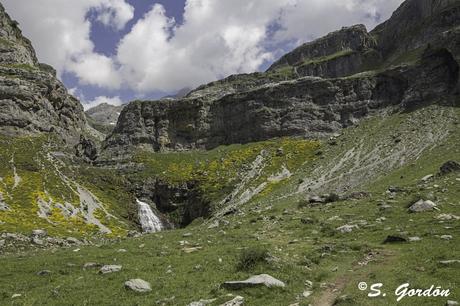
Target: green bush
251, 257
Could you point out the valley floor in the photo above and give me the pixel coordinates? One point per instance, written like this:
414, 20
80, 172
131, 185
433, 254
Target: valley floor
278, 232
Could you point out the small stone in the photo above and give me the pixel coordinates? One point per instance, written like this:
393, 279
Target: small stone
447, 217
307, 293
138, 285
446, 237
414, 239
122, 251
91, 265
44, 272
110, 269
191, 250
316, 199
237, 301
308, 284
449, 262
347, 228
201, 302
452, 303
427, 178
16, 295
187, 235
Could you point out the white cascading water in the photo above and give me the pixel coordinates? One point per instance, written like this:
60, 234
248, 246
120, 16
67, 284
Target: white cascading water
149, 221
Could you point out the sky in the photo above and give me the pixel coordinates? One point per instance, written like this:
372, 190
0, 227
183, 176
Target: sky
115, 51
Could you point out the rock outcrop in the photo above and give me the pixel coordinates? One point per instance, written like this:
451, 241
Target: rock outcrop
32, 99
309, 107
341, 53
314, 91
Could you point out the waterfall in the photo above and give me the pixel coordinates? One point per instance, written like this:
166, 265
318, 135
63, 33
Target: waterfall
149, 221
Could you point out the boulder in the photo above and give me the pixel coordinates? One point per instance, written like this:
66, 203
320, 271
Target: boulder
421, 206
254, 281
138, 285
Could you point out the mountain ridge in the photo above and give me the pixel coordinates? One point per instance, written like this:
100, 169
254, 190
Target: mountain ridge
339, 59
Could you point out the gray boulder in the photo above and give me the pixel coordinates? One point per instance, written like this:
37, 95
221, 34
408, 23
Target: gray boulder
254, 281
110, 269
138, 285
421, 206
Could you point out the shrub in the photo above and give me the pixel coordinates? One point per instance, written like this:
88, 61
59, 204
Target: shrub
251, 257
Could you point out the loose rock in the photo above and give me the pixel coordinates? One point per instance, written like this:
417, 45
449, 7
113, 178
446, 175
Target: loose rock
347, 228
237, 301
138, 285
254, 281
110, 269
421, 206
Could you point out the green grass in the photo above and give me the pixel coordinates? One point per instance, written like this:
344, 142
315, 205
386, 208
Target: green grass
271, 224
322, 59
39, 177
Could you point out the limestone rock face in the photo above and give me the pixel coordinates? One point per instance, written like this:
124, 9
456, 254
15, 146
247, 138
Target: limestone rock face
32, 100
408, 62
309, 107
340, 53
416, 23
14, 48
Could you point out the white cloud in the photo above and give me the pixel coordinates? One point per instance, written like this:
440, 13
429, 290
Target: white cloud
219, 38
95, 69
216, 39
115, 13
60, 32
102, 99
304, 20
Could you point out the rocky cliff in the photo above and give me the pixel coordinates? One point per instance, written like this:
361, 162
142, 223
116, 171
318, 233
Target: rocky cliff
344, 52
316, 90
32, 99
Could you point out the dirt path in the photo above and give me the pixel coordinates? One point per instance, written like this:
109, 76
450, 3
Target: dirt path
378, 258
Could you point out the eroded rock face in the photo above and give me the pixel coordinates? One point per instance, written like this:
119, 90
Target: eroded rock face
14, 48
309, 107
338, 54
313, 91
32, 100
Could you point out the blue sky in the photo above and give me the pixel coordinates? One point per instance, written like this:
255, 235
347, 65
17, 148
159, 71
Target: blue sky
116, 51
